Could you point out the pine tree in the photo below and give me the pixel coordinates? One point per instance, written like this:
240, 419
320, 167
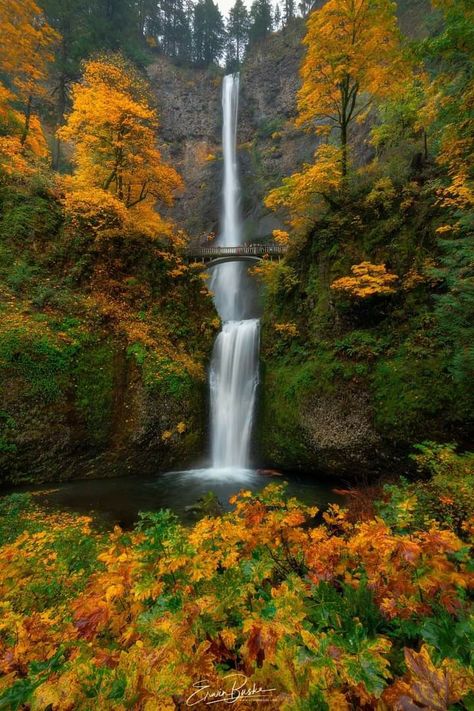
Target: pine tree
238, 26
208, 33
174, 30
261, 20
288, 10
277, 17
305, 7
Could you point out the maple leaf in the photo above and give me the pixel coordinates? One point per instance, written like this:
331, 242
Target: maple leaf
261, 643
90, 616
428, 687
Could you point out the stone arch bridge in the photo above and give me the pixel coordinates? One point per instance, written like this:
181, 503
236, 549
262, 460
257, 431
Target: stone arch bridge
212, 256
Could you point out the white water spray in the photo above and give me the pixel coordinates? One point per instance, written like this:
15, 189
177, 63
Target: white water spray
234, 366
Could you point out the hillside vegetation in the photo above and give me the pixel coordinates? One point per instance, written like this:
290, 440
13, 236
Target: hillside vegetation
104, 332
368, 322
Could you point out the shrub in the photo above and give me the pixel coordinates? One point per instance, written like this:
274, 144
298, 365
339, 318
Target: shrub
334, 612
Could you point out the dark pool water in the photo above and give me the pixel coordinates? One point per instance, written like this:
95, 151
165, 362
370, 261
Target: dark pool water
118, 501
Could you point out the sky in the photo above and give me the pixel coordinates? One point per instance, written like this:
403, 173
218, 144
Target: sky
225, 5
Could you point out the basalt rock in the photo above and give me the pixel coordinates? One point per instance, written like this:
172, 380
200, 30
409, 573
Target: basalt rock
93, 429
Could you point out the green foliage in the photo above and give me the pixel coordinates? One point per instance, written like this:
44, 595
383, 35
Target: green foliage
444, 494
38, 358
161, 374
448, 496
13, 511
28, 217
208, 33
397, 508
94, 375
285, 386
269, 127
362, 345
261, 20
404, 396
454, 312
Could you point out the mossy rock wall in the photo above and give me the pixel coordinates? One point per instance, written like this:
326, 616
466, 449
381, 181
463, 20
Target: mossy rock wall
95, 417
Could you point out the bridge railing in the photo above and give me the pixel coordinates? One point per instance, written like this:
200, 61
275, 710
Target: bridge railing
257, 250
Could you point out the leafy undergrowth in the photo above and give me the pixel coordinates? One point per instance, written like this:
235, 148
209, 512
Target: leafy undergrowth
325, 614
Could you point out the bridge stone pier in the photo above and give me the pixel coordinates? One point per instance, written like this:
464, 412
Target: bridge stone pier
213, 255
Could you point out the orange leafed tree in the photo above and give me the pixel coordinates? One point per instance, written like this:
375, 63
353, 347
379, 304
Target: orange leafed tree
301, 193
353, 56
114, 131
25, 50
367, 280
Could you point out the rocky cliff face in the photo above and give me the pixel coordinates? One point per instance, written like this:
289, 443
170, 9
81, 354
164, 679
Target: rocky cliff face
189, 106
271, 146
189, 103
103, 421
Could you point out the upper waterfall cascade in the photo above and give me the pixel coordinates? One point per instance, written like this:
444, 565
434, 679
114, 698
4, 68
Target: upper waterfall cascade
234, 366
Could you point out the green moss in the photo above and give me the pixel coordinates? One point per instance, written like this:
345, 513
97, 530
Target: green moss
29, 216
94, 375
287, 385
40, 360
161, 374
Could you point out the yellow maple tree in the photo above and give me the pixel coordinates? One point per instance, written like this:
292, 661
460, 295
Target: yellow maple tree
367, 280
25, 51
353, 56
113, 128
301, 193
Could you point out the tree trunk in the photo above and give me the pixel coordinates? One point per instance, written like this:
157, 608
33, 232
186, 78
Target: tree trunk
26, 127
61, 108
344, 148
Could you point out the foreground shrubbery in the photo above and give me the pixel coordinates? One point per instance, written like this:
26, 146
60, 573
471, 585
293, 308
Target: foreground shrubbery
330, 614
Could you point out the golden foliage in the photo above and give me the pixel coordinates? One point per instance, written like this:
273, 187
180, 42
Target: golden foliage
301, 194
113, 128
428, 686
26, 46
449, 110
287, 330
25, 50
353, 50
161, 607
367, 280
280, 236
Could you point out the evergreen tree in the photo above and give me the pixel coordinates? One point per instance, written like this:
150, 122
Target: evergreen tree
261, 20
208, 33
174, 29
305, 7
238, 26
288, 10
277, 20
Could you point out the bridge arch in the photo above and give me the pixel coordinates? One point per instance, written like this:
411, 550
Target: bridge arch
237, 258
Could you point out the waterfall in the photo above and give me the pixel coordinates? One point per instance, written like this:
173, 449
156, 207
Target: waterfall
234, 365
